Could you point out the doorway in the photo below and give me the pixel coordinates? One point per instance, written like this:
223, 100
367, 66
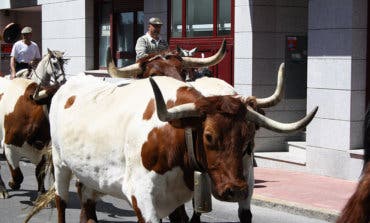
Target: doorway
119, 25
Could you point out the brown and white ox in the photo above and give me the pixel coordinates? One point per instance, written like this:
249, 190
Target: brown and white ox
357, 209
128, 143
208, 87
165, 63
24, 123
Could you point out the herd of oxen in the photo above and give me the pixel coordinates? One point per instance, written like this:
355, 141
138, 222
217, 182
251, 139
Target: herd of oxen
138, 147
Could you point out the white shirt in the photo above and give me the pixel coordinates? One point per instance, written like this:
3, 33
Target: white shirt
146, 45
24, 53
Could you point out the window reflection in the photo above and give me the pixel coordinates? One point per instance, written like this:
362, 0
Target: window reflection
104, 33
224, 18
176, 23
199, 18
125, 36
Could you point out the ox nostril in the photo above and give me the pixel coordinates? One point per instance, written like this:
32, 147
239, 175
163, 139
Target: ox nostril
235, 194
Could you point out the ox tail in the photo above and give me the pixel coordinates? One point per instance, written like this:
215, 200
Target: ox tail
41, 203
49, 167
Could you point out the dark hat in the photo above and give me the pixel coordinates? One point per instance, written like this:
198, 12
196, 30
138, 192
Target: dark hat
155, 21
11, 32
26, 30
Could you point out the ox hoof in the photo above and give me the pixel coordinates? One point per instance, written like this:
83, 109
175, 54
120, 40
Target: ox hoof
4, 194
14, 186
245, 216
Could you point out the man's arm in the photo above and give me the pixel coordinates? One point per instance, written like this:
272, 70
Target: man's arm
12, 67
140, 48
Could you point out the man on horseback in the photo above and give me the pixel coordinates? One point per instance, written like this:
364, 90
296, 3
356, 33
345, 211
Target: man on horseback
25, 53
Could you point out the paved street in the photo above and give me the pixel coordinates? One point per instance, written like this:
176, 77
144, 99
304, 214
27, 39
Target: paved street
14, 209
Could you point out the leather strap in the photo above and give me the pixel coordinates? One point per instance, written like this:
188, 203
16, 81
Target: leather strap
191, 152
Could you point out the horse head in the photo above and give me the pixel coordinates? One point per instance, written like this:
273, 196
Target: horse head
50, 69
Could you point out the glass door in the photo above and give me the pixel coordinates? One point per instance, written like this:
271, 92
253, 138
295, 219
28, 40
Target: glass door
129, 26
118, 25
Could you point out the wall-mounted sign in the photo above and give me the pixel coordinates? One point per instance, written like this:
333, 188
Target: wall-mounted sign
292, 43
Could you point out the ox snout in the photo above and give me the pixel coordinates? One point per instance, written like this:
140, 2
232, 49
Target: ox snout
231, 192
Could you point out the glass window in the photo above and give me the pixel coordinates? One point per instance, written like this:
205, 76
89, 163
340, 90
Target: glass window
104, 33
224, 18
140, 24
199, 18
125, 36
176, 23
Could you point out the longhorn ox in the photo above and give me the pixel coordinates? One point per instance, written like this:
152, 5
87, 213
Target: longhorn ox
136, 149
164, 64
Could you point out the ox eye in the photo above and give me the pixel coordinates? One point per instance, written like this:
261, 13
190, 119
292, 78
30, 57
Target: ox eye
209, 137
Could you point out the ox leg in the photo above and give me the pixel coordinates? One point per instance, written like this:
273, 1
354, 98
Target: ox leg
13, 162
3, 192
88, 204
244, 211
40, 173
179, 215
62, 178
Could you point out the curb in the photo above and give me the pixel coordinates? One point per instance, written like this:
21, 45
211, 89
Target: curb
296, 208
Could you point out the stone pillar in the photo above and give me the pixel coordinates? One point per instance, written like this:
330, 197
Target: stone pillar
68, 26
336, 83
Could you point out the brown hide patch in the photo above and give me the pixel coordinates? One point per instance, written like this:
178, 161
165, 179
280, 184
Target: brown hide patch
165, 146
70, 102
137, 210
27, 123
1, 95
149, 111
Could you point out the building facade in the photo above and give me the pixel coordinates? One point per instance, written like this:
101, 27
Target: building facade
324, 44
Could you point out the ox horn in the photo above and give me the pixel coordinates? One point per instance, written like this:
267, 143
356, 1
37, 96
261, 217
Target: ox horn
278, 94
127, 72
39, 95
180, 111
193, 62
275, 126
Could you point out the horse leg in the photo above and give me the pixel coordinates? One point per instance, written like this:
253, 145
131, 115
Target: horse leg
244, 210
13, 162
40, 176
179, 215
87, 199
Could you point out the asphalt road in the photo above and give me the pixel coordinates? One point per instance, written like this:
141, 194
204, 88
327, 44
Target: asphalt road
109, 209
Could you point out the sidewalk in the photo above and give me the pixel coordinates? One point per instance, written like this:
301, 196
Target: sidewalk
301, 193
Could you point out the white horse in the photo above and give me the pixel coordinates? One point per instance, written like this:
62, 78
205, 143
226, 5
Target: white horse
49, 71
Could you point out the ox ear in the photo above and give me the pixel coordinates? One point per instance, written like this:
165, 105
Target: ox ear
178, 49
192, 51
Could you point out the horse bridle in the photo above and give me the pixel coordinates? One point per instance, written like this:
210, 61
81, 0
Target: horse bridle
53, 72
